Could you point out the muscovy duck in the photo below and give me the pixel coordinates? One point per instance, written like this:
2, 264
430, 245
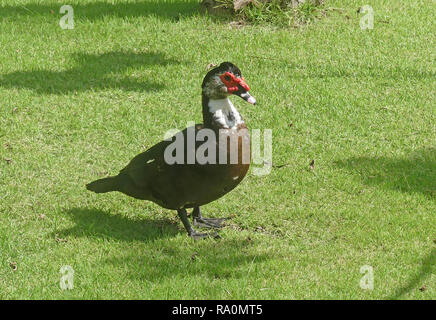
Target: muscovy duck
204, 174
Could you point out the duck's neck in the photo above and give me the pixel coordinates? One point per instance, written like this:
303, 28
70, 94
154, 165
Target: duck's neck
220, 113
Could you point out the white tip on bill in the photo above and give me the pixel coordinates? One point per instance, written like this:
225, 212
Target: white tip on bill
251, 100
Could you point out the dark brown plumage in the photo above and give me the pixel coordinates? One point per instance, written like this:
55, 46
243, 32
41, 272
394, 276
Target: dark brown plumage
148, 176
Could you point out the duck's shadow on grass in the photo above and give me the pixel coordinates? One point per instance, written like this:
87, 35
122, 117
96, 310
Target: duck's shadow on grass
92, 11
428, 267
211, 260
415, 173
223, 258
93, 72
98, 223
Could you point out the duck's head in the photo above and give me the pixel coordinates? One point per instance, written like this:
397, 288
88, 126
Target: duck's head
225, 80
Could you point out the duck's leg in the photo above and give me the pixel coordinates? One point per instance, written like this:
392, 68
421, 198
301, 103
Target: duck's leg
191, 232
205, 222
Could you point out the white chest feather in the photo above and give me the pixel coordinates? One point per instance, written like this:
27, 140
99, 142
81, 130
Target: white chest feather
225, 114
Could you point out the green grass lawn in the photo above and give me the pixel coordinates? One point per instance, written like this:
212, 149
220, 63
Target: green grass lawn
76, 105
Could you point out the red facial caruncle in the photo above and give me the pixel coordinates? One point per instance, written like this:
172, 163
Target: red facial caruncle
232, 82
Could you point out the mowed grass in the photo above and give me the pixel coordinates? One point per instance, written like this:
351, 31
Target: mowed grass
78, 104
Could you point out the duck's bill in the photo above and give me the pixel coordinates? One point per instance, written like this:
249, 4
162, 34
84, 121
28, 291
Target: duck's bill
246, 96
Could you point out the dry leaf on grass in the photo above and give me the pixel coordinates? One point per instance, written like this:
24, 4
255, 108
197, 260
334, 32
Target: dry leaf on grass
312, 165
210, 66
13, 265
278, 166
60, 239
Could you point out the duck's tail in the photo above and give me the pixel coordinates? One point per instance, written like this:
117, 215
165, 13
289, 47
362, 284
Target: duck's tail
104, 185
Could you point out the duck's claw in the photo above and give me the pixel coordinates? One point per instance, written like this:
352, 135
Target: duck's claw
208, 223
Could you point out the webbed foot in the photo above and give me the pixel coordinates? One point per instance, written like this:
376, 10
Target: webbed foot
191, 232
208, 223
199, 221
